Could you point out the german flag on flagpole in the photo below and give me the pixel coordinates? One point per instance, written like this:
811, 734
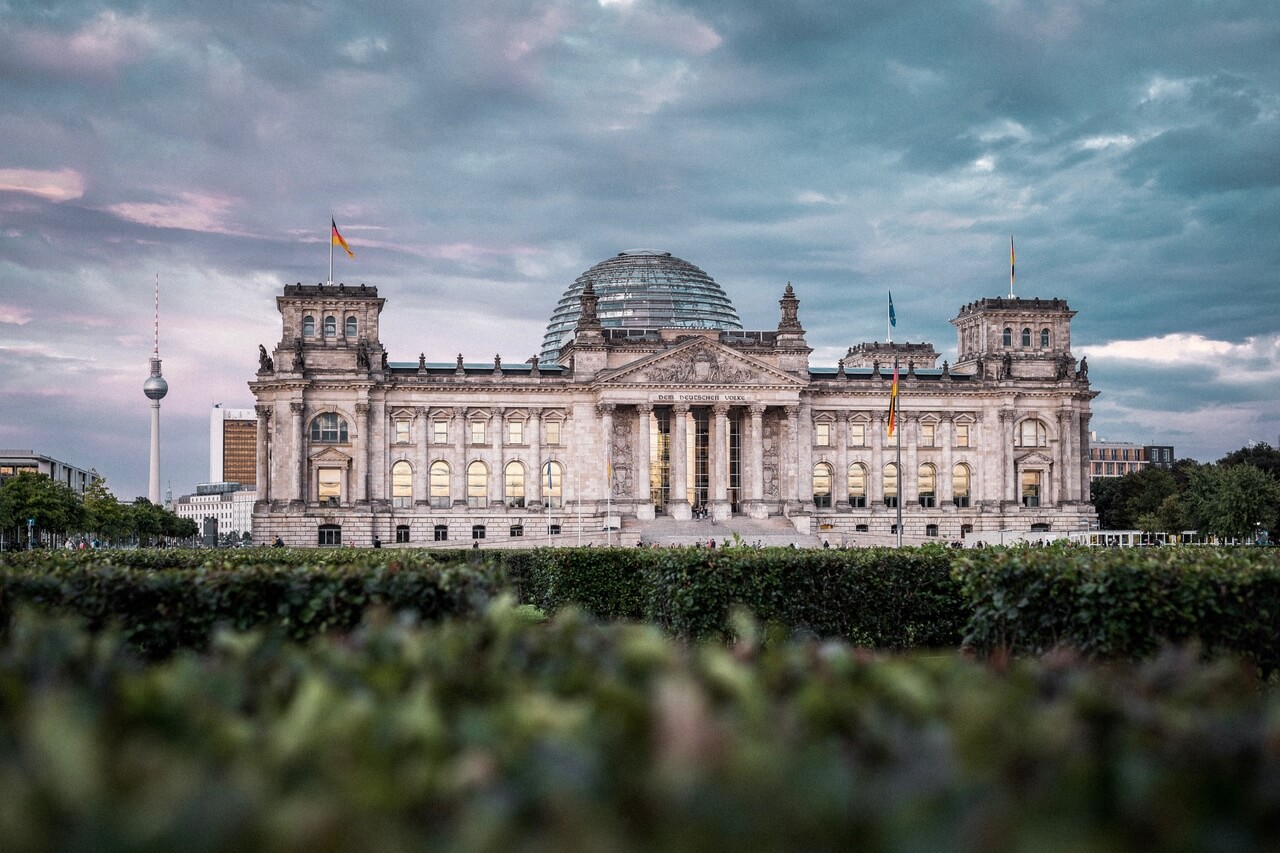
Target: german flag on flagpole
1011, 265
893, 401
336, 239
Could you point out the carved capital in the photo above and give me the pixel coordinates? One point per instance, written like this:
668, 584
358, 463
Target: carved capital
264, 411
756, 409
720, 409
297, 407
459, 411
680, 408
605, 408
792, 412
362, 409
644, 408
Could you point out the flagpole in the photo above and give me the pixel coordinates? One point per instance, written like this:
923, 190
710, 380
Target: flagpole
331, 250
1011, 266
898, 461
608, 498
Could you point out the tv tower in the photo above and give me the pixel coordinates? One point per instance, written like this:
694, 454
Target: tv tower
155, 388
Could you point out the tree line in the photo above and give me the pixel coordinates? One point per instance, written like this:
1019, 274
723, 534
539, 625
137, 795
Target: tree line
60, 513
1236, 497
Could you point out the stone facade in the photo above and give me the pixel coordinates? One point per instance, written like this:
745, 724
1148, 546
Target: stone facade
352, 447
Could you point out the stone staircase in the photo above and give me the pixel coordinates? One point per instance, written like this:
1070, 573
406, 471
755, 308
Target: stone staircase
767, 532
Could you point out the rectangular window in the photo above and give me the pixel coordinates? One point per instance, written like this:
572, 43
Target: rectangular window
442, 533
553, 432
926, 435
330, 534
329, 485
477, 531
1031, 488
402, 533
517, 530
554, 529
515, 432
477, 432
857, 435
402, 431
962, 435
822, 435
440, 431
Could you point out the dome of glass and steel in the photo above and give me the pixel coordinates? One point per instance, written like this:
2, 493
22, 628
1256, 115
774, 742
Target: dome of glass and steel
642, 289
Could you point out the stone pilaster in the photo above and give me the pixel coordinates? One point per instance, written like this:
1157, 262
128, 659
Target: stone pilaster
262, 460
299, 451
362, 452
678, 499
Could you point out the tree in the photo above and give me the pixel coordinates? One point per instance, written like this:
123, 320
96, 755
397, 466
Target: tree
1170, 518
1232, 501
106, 517
54, 506
1264, 457
1121, 501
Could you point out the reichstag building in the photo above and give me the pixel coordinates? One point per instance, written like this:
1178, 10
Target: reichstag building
650, 407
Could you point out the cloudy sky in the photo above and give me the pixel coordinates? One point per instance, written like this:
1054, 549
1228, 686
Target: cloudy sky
479, 154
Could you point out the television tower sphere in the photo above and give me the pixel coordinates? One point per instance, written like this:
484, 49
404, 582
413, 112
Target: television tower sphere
155, 387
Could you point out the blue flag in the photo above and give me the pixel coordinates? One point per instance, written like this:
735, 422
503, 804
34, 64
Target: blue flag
893, 318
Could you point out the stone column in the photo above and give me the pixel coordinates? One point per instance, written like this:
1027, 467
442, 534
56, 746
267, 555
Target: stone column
533, 481
299, 456
262, 466
719, 461
643, 484
498, 481
875, 477
459, 466
840, 482
946, 435
605, 410
1082, 457
421, 478
678, 499
380, 452
755, 462
1009, 469
1066, 472
362, 452
789, 459
910, 437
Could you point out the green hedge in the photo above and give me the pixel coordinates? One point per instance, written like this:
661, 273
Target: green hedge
1124, 602
169, 599
495, 734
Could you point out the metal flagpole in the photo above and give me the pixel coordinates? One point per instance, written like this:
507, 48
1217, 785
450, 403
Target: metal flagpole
547, 499
1011, 266
331, 250
577, 495
898, 460
608, 498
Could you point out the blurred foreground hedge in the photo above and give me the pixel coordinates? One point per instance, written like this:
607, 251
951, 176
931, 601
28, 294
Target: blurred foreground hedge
501, 733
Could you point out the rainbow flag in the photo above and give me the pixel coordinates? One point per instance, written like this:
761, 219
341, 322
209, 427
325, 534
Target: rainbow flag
336, 239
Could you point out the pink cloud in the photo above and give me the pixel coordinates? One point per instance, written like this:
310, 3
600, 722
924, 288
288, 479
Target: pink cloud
189, 211
59, 185
14, 315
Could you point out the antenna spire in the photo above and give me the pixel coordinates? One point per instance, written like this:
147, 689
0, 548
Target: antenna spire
157, 324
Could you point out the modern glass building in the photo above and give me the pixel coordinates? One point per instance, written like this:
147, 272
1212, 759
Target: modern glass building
642, 289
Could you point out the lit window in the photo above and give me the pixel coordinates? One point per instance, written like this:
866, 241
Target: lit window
330, 327
962, 435
513, 484
328, 427
402, 431
553, 432
857, 435
308, 326
1026, 337
1031, 488
890, 485
960, 477
351, 327
857, 485
515, 432
926, 435
329, 485
477, 432
477, 484
401, 484
440, 431
552, 484
439, 486
822, 485
822, 434
925, 478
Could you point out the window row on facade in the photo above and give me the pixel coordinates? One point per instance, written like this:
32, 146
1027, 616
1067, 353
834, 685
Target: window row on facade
331, 428
331, 534
515, 486
1026, 338
330, 326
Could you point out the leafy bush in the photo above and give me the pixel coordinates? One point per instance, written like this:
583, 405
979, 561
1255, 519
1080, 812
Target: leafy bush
505, 733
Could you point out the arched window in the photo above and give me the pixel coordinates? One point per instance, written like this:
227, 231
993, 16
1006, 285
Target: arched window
1031, 433
890, 485
513, 483
960, 480
351, 326
402, 484
477, 484
308, 326
330, 327
822, 485
439, 484
552, 484
1026, 337
926, 477
857, 485
1008, 337
328, 427
1044, 339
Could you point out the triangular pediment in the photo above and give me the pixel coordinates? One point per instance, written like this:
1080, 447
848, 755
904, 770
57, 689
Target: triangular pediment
1033, 458
331, 456
699, 362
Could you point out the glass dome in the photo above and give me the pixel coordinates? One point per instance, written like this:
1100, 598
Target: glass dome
642, 289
